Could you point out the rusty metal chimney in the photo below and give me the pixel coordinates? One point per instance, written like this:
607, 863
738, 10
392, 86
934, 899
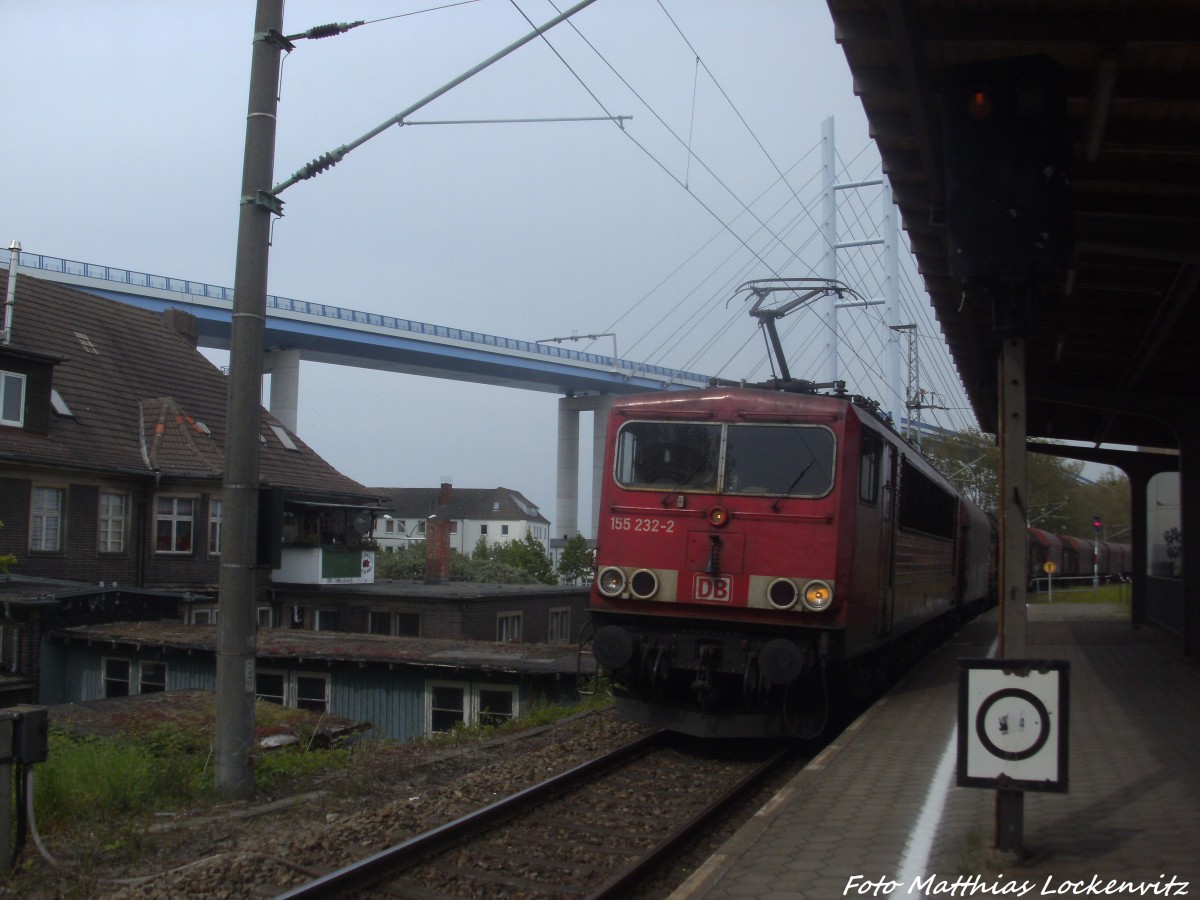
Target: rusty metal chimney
437, 539
14, 260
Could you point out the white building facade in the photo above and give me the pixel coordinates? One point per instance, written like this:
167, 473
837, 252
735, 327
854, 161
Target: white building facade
497, 515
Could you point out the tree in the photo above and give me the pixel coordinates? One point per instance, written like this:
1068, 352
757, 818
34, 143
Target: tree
1054, 492
1108, 499
528, 555
1056, 499
578, 561
402, 564
971, 460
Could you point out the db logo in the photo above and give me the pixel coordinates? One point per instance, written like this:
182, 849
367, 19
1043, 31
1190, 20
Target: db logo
713, 590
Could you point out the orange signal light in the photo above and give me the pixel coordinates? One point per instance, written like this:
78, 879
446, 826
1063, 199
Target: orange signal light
980, 105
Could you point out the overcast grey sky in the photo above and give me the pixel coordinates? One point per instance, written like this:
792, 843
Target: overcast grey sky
124, 130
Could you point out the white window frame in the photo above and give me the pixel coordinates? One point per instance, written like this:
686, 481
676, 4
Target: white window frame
175, 518
6, 414
471, 692
113, 524
265, 621
208, 612
504, 627
476, 701
317, 619
46, 524
216, 511
291, 687
294, 683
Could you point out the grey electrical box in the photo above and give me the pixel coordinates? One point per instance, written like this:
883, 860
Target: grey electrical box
31, 733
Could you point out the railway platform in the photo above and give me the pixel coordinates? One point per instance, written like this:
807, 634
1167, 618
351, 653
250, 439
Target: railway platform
878, 814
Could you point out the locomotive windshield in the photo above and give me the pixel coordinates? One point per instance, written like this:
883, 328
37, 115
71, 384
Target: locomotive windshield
669, 456
753, 460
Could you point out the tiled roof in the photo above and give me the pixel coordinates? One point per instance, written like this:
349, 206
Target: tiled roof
465, 503
283, 644
142, 398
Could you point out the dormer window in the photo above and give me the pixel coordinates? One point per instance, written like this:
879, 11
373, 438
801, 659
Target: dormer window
12, 399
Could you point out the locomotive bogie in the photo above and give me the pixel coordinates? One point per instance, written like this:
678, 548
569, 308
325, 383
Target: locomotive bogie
706, 681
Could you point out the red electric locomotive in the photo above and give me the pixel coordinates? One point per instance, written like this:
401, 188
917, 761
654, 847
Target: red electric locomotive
753, 543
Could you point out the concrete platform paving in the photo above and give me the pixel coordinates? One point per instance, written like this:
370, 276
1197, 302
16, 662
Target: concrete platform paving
877, 813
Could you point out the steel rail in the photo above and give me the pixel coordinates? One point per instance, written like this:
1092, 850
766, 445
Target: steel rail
620, 885
369, 871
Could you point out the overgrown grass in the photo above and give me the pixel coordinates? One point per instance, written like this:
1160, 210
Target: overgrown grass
104, 784
538, 715
103, 780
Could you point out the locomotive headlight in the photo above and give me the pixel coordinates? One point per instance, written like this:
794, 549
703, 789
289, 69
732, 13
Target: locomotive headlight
643, 584
782, 593
611, 581
817, 595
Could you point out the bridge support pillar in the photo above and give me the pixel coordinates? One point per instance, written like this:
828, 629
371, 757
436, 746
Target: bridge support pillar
566, 519
284, 368
566, 511
599, 442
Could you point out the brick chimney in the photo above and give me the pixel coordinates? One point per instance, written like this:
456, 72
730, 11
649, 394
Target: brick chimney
183, 323
437, 540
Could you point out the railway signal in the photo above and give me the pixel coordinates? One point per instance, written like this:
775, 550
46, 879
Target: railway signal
1006, 150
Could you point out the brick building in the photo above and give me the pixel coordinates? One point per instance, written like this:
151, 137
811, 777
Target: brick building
111, 459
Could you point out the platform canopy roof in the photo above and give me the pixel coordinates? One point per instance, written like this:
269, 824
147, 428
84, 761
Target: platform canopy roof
1116, 338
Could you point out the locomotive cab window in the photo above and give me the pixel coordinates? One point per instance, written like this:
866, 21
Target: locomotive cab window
755, 460
668, 456
778, 460
870, 451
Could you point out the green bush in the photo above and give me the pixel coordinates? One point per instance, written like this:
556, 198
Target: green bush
509, 563
100, 779
277, 767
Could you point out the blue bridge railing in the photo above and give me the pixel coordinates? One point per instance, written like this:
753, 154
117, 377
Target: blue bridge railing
225, 295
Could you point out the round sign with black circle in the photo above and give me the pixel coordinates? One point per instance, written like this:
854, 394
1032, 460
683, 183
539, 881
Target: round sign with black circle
1013, 724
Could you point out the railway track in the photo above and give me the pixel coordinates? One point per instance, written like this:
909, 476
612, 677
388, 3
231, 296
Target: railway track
592, 832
